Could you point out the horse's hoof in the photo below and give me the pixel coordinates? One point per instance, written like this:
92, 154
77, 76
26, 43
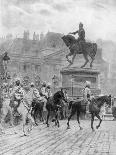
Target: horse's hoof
3, 132
47, 125
93, 130
81, 128
53, 120
15, 132
97, 127
68, 127
25, 134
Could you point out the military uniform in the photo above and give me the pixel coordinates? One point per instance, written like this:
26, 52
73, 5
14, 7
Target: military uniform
48, 91
44, 96
16, 95
87, 95
81, 38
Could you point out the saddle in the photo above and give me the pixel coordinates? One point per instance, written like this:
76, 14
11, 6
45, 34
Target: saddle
93, 106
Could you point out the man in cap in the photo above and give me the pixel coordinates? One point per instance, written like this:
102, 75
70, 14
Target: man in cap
81, 38
87, 94
43, 90
35, 92
48, 90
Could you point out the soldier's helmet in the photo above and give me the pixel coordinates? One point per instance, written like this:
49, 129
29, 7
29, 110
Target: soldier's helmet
48, 85
5, 85
88, 84
44, 84
32, 84
18, 81
80, 24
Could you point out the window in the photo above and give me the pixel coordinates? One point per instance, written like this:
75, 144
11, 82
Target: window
25, 67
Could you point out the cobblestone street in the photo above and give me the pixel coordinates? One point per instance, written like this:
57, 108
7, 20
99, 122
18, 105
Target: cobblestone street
60, 141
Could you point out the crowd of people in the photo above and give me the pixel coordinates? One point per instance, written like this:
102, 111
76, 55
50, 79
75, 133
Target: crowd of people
17, 90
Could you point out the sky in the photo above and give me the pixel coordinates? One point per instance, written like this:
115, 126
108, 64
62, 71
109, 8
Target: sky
63, 16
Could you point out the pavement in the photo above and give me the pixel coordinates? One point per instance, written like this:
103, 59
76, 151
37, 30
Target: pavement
61, 141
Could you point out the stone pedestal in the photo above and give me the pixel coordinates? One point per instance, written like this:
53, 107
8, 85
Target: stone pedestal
74, 79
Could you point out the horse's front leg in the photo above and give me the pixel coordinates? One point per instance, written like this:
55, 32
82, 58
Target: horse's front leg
92, 120
32, 122
68, 58
78, 114
100, 120
91, 63
74, 55
86, 60
72, 113
57, 117
48, 115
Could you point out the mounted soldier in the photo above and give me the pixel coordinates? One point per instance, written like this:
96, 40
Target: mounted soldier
35, 93
48, 90
81, 38
87, 95
17, 95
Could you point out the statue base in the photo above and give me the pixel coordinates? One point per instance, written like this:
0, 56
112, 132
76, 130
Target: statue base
74, 78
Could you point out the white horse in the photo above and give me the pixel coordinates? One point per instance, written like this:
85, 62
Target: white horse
25, 110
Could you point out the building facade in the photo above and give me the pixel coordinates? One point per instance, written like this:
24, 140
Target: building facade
45, 57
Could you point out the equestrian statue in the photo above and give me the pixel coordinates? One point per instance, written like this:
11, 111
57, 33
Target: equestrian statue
80, 46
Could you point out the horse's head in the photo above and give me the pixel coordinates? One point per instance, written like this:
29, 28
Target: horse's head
108, 100
68, 39
64, 38
105, 99
70, 104
62, 93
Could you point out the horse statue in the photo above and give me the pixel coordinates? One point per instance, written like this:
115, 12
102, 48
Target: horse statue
94, 108
89, 49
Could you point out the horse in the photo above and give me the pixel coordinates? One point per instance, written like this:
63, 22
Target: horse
25, 111
37, 108
94, 108
89, 49
54, 104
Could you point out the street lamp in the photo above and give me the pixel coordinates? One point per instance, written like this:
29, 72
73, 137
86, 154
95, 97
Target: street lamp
54, 80
6, 59
72, 81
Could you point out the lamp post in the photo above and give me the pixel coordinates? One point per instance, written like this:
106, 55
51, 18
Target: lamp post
54, 81
6, 59
72, 80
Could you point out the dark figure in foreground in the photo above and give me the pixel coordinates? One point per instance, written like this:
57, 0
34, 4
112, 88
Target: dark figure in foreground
54, 104
94, 108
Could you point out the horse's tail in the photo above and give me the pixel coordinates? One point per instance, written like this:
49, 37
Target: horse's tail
94, 49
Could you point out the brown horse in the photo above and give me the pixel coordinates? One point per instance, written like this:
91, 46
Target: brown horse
89, 49
94, 108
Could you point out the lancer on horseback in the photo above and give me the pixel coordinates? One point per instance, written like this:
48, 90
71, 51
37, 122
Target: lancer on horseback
87, 95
